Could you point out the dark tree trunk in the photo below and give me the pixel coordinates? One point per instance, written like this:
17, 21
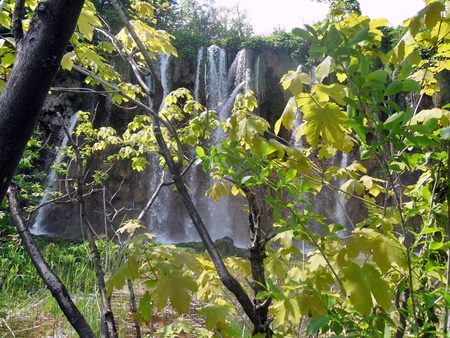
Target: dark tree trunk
39, 54
53, 283
227, 279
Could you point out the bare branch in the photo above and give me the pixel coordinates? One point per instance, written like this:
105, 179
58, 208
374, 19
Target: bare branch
17, 28
54, 284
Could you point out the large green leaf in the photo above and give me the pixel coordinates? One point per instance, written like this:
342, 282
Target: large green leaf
251, 126
363, 285
286, 309
174, 286
325, 121
324, 69
214, 314
430, 15
288, 117
294, 81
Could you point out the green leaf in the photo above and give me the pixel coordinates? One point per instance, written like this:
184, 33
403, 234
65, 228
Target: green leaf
335, 90
145, 307
87, 21
286, 309
294, 81
214, 314
394, 118
360, 36
410, 86
5, 19
251, 126
445, 133
393, 88
324, 69
288, 117
176, 287
363, 285
316, 324
430, 15
325, 121
301, 33
8, 59
378, 75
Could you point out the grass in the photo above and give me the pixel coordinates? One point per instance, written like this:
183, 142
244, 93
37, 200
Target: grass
27, 309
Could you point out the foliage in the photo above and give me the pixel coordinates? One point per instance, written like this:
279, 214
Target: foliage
208, 21
293, 45
389, 276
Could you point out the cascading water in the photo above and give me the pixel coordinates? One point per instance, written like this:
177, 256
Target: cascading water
238, 79
37, 228
222, 86
339, 211
164, 68
216, 86
198, 74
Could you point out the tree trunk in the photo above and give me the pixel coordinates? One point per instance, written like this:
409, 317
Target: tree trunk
54, 284
38, 56
109, 329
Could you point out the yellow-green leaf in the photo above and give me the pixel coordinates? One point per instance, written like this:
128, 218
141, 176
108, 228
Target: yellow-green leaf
286, 309
430, 15
363, 285
251, 126
215, 314
288, 117
131, 226
176, 287
294, 81
67, 60
326, 122
86, 23
323, 70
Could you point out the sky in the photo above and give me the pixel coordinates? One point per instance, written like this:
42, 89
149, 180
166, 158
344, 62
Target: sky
266, 15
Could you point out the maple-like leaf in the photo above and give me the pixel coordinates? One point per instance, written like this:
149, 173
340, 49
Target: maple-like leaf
325, 121
87, 21
251, 126
176, 287
286, 309
294, 81
214, 314
365, 284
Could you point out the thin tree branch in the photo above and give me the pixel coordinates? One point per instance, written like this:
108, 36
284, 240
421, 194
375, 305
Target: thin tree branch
51, 280
17, 28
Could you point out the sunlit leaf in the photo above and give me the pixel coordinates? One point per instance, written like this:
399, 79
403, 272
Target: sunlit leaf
214, 314
288, 117
86, 22
176, 288
325, 122
363, 285
324, 69
294, 81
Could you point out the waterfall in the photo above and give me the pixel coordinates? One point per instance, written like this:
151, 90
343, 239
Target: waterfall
164, 68
216, 87
198, 75
36, 228
339, 208
257, 76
